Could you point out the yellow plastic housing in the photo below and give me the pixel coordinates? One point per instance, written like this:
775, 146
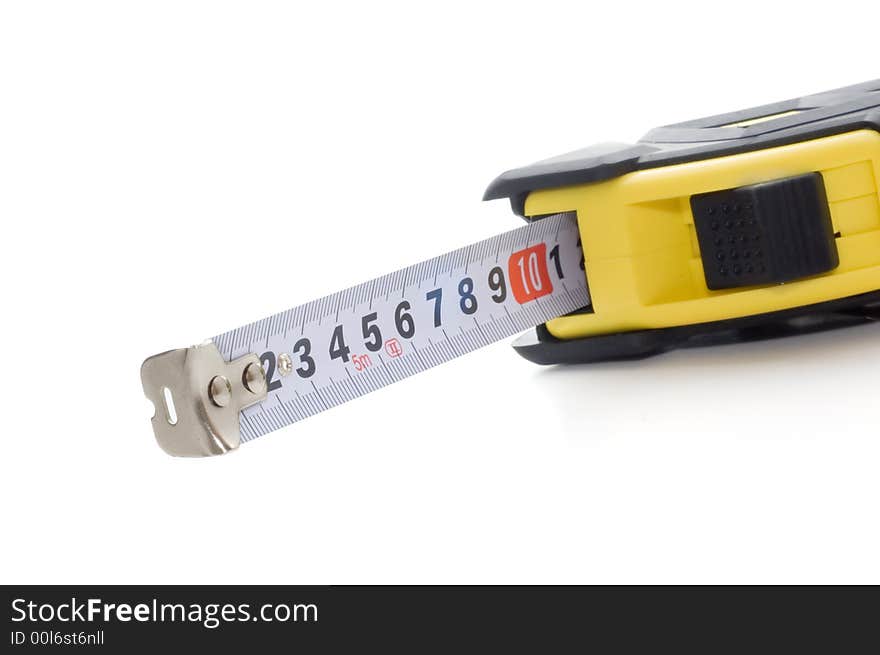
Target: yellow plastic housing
641, 255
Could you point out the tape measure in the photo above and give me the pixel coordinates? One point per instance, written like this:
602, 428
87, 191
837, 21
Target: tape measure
305, 360
753, 224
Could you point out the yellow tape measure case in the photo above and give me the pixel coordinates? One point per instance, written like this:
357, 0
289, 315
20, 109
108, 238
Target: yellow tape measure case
749, 225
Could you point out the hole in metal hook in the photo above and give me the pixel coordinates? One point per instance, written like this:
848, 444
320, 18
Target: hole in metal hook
170, 412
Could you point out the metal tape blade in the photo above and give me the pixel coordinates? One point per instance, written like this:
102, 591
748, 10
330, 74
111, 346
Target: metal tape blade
334, 349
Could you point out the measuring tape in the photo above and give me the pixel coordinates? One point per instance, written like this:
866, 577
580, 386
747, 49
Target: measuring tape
305, 360
754, 224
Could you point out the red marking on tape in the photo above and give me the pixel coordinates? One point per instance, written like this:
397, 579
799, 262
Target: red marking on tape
527, 273
392, 347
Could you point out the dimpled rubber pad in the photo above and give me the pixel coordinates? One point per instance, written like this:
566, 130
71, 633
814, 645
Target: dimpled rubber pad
765, 233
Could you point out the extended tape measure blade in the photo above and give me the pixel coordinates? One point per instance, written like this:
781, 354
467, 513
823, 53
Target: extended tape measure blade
337, 348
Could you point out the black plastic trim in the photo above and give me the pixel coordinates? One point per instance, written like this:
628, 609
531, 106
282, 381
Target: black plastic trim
819, 115
541, 347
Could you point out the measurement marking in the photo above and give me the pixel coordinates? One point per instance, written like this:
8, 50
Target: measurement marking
446, 272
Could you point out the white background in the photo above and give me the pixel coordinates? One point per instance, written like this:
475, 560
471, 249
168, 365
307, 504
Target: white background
170, 170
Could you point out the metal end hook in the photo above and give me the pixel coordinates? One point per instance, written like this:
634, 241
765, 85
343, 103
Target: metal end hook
197, 397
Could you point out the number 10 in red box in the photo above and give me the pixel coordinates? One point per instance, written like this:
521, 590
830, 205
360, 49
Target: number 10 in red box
527, 272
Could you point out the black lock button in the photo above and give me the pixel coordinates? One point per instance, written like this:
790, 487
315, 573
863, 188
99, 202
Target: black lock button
765, 233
